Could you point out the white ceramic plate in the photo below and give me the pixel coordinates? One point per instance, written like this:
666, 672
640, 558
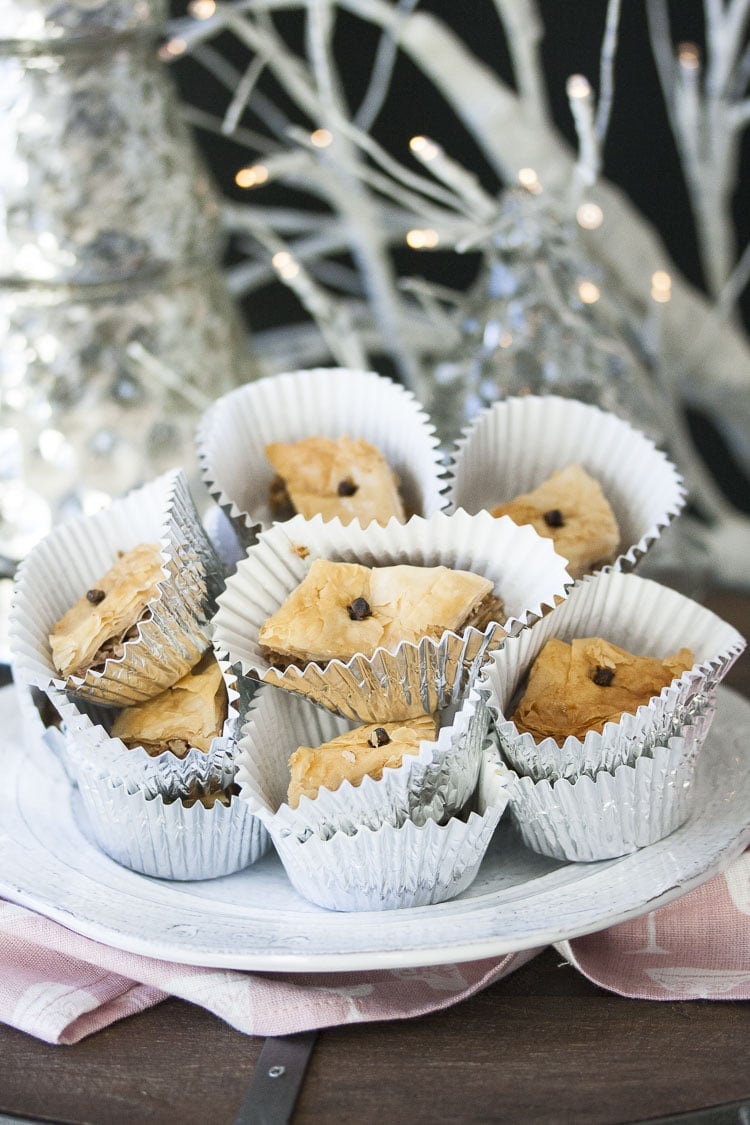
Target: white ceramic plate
254, 920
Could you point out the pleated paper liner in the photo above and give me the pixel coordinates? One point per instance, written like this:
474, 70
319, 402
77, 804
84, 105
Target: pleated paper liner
167, 839
92, 749
518, 443
415, 678
171, 634
323, 402
612, 814
392, 868
433, 784
644, 618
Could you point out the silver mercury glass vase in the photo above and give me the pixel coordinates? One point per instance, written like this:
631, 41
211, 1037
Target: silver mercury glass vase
110, 237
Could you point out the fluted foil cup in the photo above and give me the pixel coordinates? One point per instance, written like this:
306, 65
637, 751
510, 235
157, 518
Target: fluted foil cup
644, 618
173, 632
167, 839
612, 814
414, 679
323, 402
92, 749
518, 443
433, 784
393, 868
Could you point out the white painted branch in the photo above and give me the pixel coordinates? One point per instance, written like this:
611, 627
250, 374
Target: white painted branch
471, 195
329, 315
524, 31
369, 245
380, 78
242, 95
199, 119
607, 71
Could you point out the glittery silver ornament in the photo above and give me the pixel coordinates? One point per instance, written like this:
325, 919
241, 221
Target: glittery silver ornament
541, 319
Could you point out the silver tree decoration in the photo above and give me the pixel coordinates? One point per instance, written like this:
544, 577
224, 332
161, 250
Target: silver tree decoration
356, 203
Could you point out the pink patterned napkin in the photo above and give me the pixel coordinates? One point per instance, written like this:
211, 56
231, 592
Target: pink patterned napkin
61, 987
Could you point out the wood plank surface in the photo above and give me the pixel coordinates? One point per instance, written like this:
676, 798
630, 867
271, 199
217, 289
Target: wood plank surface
544, 1045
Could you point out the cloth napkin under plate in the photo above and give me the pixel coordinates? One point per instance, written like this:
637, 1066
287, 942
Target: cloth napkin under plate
61, 987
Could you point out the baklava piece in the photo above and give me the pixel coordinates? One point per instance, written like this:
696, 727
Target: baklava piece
364, 751
97, 626
343, 477
188, 715
571, 509
340, 609
578, 687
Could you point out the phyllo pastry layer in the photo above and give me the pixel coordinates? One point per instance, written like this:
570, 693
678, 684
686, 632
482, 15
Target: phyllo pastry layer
343, 477
578, 687
95, 628
355, 754
340, 609
571, 509
189, 715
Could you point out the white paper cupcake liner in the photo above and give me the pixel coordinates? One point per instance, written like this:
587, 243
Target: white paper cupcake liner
324, 402
644, 618
174, 631
415, 678
610, 815
393, 868
169, 840
519, 442
92, 749
433, 784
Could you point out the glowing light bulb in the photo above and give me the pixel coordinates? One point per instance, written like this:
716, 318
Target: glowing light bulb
689, 56
285, 265
589, 216
251, 177
422, 239
661, 287
424, 148
321, 138
588, 292
201, 9
578, 86
528, 179
172, 48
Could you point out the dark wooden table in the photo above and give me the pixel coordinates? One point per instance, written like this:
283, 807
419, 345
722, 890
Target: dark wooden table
543, 1045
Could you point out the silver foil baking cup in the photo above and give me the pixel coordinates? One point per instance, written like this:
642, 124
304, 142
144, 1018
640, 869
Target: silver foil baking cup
610, 815
167, 839
414, 679
433, 784
174, 630
644, 618
323, 402
392, 868
92, 749
518, 443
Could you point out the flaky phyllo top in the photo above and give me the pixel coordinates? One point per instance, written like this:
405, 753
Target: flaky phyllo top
343, 477
340, 609
92, 629
355, 754
571, 509
189, 715
578, 687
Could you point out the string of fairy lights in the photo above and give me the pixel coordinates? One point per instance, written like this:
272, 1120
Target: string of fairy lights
590, 122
